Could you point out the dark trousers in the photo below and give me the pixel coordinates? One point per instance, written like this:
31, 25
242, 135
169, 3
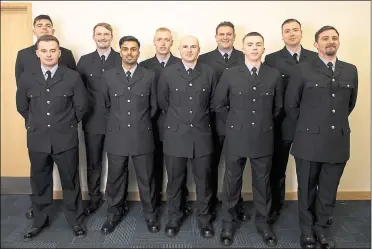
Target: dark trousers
42, 185
159, 174
176, 171
317, 190
232, 187
94, 152
117, 184
277, 174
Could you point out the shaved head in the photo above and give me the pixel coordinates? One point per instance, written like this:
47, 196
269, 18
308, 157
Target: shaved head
189, 48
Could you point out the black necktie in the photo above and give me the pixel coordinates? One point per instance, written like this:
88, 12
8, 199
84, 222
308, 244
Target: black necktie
103, 59
162, 64
189, 71
254, 74
330, 67
49, 79
295, 57
128, 73
226, 57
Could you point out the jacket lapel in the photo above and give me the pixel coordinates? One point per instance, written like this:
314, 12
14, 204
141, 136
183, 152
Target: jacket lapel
137, 76
322, 68
57, 76
233, 60
244, 73
287, 57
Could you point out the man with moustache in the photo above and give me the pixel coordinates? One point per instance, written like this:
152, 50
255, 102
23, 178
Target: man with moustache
222, 58
27, 60
185, 90
284, 60
52, 99
250, 98
91, 67
130, 96
163, 41
320, 97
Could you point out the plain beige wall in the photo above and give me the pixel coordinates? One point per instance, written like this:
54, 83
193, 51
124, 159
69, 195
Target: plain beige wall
74, 21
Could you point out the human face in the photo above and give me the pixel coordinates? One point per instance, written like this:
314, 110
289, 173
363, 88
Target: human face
328, 43
102, 37
291, 34
189, 49
225, 38
129, 52
163, 42
48, 52
43, 27
253, 48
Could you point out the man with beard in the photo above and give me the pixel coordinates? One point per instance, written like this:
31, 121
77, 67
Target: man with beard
284, 60
185, 90
163, 58
320, 97
222, 58
27, 60
130, 96
91, 67
250, 98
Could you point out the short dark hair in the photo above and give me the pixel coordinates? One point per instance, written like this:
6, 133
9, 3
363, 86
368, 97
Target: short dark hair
253, 34
289, 21
224, 24
129, 38
325, 28
46, 38
43, 17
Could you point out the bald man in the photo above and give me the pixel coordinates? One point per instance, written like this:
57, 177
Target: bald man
185, 90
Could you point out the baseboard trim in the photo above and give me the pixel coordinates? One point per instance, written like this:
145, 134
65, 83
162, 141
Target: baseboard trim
341, 195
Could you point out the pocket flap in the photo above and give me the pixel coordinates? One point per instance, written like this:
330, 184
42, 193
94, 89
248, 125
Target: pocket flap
113, 127
346, 130
315, 84
267, 127
33, 94
146, 125
119, 92
267, 92
310, 129
346, 84
172, 127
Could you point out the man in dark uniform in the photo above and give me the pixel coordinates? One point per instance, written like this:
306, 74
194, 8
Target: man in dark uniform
28, 60
53, 100
253, 93
91, 67
222, 58
184, 92
163, 58
320, 97
131, 97
284, 60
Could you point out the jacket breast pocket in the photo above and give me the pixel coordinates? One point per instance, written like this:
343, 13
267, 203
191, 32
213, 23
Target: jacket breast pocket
64, 100
267, 98
204, 95
34, 97
345, 88
177, 94
118, 99
143, 99
238, 97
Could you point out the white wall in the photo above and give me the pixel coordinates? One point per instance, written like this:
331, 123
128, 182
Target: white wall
74, 22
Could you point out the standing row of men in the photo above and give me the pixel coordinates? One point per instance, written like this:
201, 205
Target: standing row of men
187, 108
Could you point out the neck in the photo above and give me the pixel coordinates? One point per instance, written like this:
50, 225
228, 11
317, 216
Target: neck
293, 48
189, 64
225, 50
128, 67
327, 57
253, 63
162, 57
103, 50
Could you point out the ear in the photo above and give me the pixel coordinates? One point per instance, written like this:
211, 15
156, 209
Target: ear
316, 45
37, 53
59, 54
234, 36
53, 30
171, 44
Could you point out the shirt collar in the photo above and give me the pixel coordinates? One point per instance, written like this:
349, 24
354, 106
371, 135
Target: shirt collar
53, 70
326, 62
131, 71
250, 68
298, 53
105, 54
165, 61
186, 67
229, 53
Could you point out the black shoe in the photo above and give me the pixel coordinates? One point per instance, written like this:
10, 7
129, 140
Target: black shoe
329, 222
207, 231
307, 241
152, 226
30, 213
93, 207
227, 236
243, 214
187, 209
268, 236
34, 231
125, 209
79, 231
172, 229
324, 242
109, 226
